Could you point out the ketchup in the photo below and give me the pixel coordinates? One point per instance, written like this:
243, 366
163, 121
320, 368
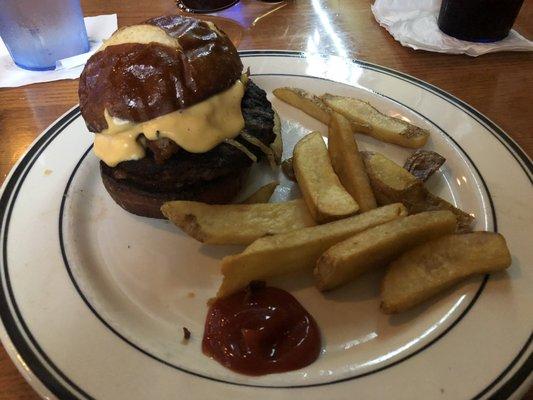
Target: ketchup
261, 330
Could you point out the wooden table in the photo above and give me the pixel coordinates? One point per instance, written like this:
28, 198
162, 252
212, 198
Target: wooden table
499, 85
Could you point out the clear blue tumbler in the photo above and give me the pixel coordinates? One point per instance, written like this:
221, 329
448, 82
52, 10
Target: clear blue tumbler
37, 33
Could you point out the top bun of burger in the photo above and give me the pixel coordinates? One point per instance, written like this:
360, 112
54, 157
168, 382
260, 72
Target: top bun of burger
165, 64
173, 116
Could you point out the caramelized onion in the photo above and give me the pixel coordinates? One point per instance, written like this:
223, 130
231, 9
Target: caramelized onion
242, 148
263, 147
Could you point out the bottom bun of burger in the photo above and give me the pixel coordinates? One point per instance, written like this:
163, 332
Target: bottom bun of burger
148, 204
169, 173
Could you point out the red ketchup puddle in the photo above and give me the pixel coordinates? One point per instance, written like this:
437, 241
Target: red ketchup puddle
261, 330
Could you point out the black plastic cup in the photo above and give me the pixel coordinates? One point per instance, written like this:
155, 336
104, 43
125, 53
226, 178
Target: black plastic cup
478, 20
204, 6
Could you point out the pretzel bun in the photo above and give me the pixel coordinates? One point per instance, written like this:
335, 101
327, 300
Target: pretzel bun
165, 64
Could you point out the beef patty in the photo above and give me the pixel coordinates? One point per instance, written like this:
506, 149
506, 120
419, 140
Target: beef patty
168, 169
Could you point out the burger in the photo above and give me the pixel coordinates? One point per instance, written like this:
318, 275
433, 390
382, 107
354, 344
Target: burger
174, 115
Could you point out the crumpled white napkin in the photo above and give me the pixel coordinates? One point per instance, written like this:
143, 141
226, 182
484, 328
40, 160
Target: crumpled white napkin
414, 24
99, 28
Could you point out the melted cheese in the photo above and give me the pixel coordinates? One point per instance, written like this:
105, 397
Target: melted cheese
196, 129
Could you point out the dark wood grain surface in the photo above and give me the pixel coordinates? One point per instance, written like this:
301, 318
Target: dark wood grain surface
499, 85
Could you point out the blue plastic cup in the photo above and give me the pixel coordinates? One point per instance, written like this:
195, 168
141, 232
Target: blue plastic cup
37, 33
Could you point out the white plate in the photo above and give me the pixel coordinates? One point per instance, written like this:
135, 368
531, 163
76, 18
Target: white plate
93, 298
